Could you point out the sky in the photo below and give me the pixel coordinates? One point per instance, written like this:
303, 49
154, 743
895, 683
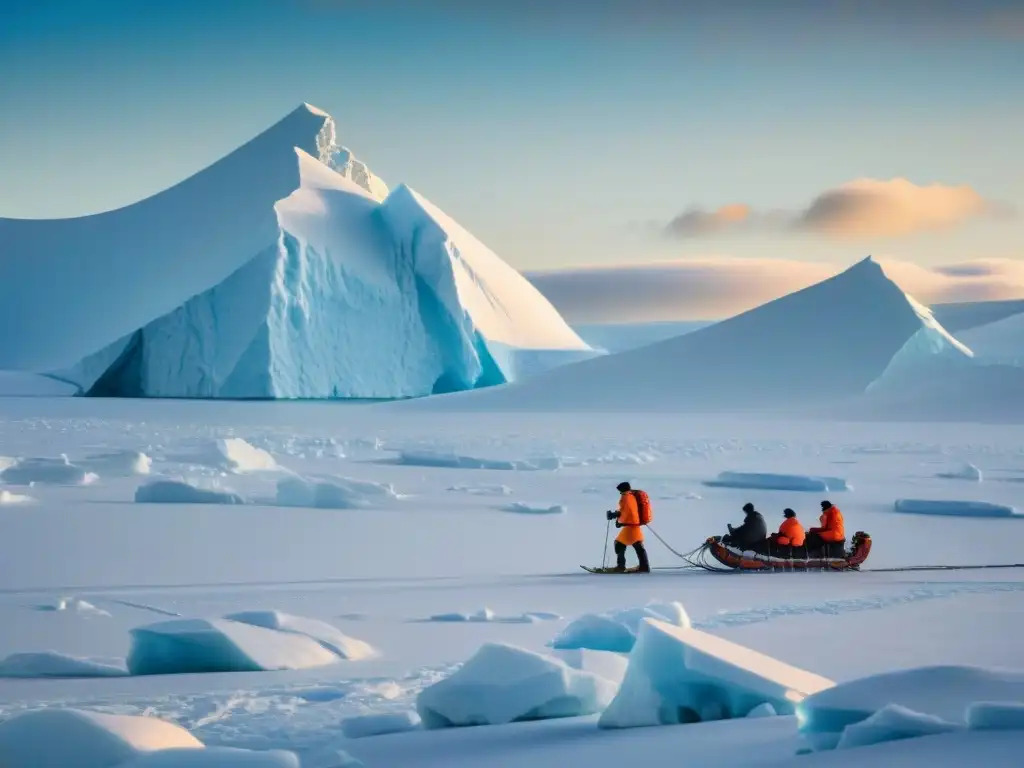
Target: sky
753, 137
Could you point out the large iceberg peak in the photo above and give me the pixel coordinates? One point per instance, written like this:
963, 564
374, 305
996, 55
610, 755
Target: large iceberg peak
340, 159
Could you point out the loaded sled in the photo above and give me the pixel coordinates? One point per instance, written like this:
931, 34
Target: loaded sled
772, 557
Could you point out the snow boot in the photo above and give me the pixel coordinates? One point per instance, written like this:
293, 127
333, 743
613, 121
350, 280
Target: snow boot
641, 556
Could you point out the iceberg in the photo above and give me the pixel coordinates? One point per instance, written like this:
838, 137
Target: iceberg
358, 292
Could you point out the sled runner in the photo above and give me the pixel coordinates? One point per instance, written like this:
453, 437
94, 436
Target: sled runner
791, 558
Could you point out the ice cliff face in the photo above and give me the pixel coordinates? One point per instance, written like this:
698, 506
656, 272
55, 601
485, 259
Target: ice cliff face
341, 160
364, 294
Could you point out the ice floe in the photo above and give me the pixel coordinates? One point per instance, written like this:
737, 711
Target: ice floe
523, 508
893, 723
220, 645
331, 638
487, 616
329, 492
442, 459
47, 471
944, 692
680, 675
53, 664
769, 481
966, 472
502, 684
118, 463
995, 716
954, 508
181, 492
616, 630
380, 724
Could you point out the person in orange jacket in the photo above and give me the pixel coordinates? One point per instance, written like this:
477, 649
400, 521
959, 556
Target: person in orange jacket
791, 533
627, 517
830, 536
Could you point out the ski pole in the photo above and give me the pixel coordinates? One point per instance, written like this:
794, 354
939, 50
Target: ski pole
604, 555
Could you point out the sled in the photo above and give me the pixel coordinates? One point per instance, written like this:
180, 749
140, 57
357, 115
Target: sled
790, 559
610, 569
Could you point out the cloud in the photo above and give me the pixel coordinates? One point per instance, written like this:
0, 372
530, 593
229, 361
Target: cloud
694, 289
871, 208
716, 287
859, 209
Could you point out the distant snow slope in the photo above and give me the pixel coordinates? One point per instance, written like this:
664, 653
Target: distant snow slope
823, 343
618, 337
998, 343
960, 317
358, 293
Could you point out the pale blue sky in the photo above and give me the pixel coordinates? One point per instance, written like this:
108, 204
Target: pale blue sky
549, 129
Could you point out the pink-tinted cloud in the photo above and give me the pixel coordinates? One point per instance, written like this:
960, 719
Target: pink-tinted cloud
859, 209
869, 208
716, 287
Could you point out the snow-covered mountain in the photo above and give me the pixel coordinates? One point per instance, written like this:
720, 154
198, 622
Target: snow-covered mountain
824, 343
357, 292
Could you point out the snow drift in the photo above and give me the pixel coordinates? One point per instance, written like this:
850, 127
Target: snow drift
331, 638
941, 692
352, 292
46, 738
220, 645
503, 684
822, 344
616, 631
680, 675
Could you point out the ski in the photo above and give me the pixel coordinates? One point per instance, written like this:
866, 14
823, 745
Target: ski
590, 569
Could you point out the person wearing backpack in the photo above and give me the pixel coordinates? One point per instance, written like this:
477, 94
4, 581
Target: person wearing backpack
633, 513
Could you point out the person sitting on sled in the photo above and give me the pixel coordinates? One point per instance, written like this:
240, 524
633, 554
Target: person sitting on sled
791, 533
751, 534
627, 517
829, 538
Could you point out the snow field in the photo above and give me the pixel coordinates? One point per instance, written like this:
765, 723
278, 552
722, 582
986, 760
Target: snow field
402, 562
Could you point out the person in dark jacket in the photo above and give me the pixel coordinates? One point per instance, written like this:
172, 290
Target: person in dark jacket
751, 534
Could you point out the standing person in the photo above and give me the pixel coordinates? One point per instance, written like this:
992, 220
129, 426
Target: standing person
830, 537
751, 534
628, 517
